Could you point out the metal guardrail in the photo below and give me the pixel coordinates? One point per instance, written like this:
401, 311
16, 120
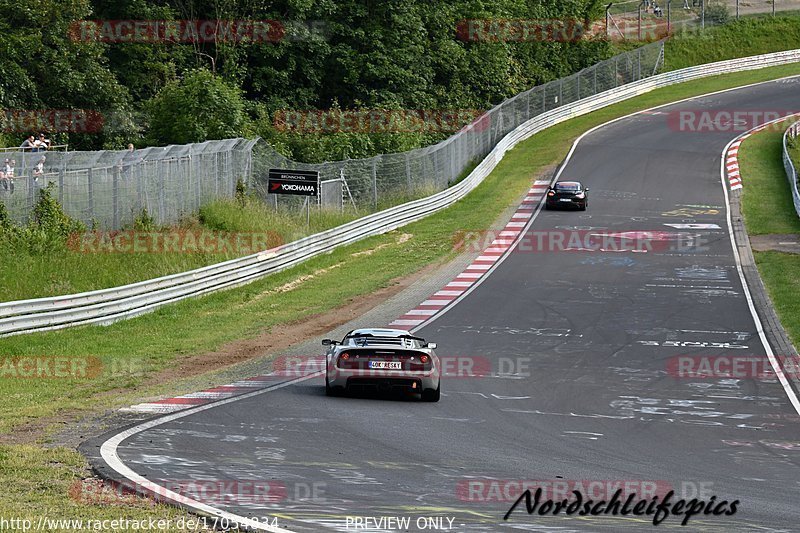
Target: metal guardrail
109, 305
791, 172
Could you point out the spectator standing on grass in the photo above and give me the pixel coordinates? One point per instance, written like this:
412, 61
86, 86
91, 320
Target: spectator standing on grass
38, 169
28, 144
8, 172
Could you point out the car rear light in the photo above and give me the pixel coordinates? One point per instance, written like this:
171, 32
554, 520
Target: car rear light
424, 358
345, 356
551, 193
579, 195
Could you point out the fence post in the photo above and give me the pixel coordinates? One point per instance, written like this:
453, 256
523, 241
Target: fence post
703, 13
193, 170
115, 195
639, 30
90, 187
375, 181
737, 8
669, 16
161, 198
408, 173
639, 61
61, 185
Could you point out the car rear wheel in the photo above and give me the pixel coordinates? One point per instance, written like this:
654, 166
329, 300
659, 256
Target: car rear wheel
432, 395
331, 391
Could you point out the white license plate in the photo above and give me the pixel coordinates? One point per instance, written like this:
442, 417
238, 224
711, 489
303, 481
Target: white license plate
386, 365
565, 199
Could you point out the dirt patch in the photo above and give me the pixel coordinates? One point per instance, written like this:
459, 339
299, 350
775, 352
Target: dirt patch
787, 243
400, 240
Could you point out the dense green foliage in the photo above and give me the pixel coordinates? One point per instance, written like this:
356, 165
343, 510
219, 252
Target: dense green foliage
403, 54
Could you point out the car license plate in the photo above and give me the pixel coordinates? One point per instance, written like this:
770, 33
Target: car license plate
565, 199
386, 365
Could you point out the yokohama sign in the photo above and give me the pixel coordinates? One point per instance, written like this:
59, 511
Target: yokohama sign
297, 182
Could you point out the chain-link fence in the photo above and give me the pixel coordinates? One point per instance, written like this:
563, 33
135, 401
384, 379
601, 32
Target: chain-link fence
649, 19
111, 188
375, 181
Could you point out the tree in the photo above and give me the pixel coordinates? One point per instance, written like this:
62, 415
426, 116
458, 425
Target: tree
199, 107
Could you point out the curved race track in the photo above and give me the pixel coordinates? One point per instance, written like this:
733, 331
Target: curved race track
598, 332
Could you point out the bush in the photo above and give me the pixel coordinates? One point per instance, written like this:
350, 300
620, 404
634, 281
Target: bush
144, 221
49, 218
49, 228
718, 13
197, 108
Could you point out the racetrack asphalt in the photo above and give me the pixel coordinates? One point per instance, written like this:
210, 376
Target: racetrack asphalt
577, 386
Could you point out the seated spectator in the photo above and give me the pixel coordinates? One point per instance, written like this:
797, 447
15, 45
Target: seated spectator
9, 168
28, 144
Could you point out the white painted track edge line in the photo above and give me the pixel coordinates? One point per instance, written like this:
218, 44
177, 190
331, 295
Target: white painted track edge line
108, 451
750, 304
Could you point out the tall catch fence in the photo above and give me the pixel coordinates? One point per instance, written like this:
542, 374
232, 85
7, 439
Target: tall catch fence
110, 188
377, 180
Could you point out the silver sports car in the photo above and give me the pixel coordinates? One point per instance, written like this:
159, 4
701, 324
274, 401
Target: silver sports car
382, 360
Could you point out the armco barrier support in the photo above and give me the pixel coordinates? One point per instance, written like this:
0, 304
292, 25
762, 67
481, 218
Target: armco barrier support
109, 305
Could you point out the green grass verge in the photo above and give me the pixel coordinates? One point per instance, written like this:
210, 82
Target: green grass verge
768, 209
766, 201
779, 272
755, 35
133, 348
52, 477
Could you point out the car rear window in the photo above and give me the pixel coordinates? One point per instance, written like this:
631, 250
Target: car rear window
570, 185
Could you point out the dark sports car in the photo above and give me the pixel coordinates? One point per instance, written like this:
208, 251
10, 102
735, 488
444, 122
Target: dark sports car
567, 194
